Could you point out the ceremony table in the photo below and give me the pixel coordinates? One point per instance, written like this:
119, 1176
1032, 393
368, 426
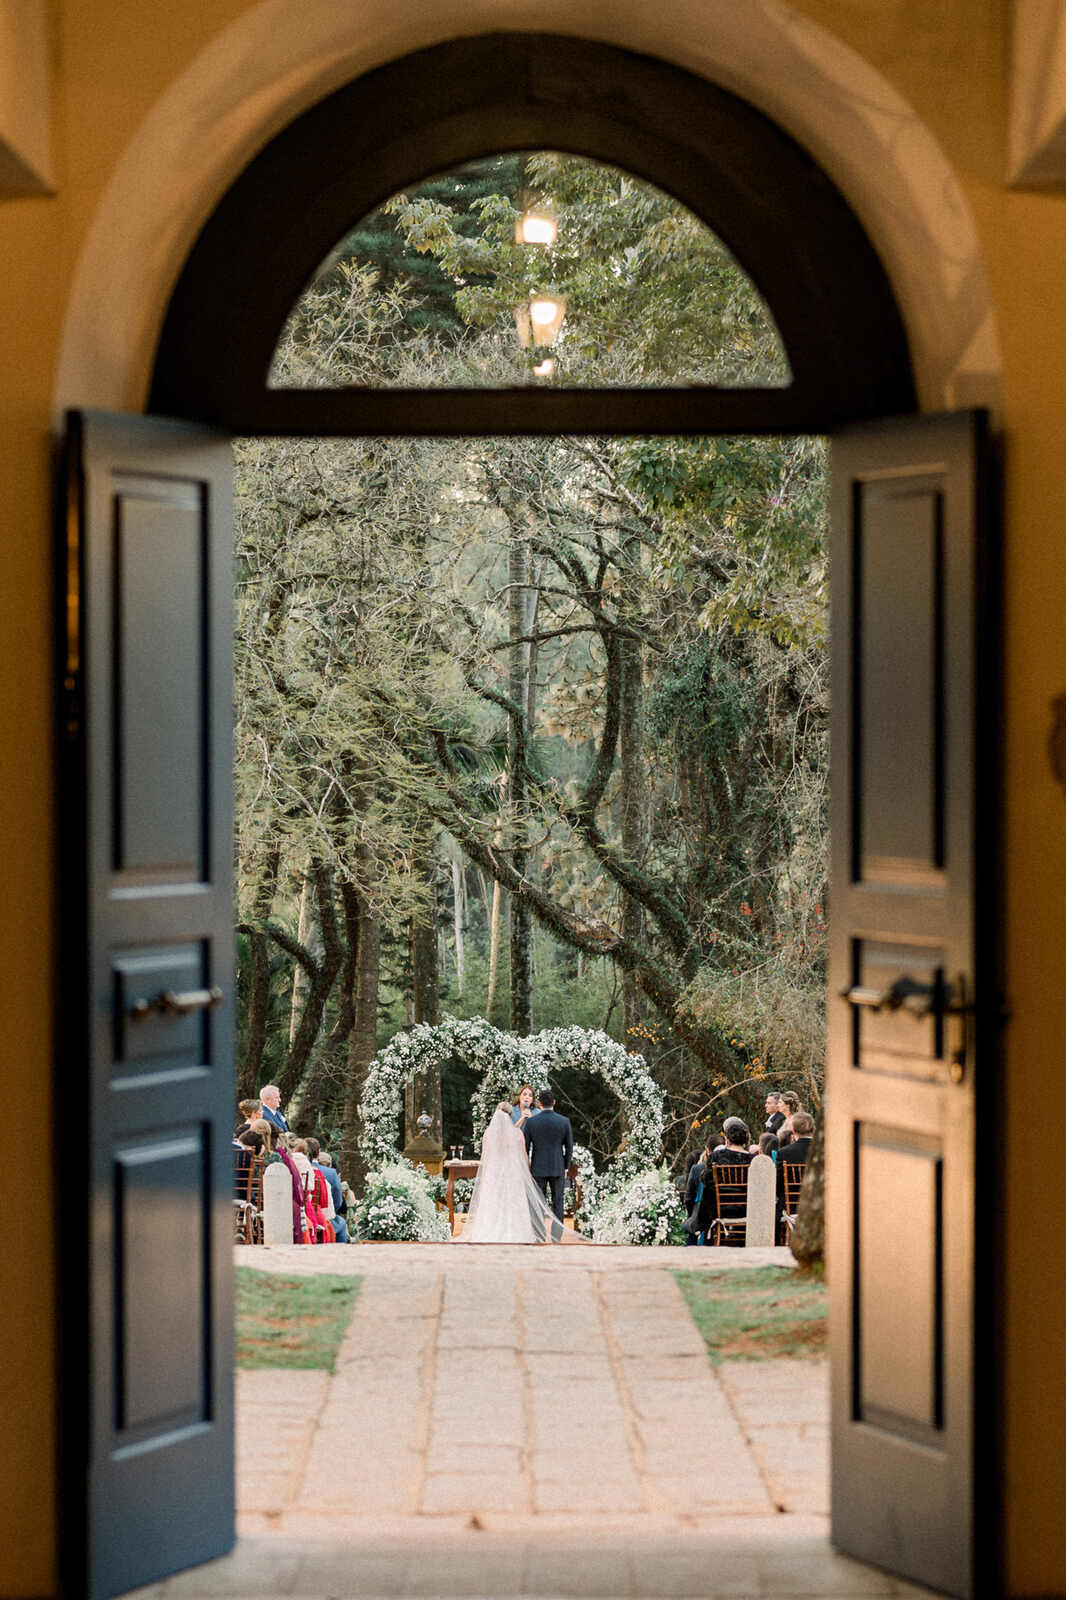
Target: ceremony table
468, 1169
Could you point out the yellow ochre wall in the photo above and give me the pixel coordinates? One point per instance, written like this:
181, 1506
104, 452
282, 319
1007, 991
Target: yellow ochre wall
111, 61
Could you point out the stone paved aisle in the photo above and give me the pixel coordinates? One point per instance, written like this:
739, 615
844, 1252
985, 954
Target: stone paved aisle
529, 1422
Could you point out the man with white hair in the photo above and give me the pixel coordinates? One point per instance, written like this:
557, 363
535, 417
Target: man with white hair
270, 1101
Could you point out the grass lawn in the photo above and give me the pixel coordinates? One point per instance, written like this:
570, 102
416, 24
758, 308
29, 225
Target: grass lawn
291, 1322
757, 1315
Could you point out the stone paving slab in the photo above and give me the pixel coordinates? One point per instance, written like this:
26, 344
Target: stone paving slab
764, 1558
506, 1421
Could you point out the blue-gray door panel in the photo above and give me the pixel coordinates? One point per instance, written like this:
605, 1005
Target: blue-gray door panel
147, 913
912, 904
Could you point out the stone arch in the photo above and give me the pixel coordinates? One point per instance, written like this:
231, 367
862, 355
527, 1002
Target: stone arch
273, 62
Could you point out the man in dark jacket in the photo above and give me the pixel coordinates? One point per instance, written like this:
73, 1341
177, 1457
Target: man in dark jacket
550, 1142
795, 1153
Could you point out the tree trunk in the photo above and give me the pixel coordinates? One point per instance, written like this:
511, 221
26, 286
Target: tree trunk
808, 1236
248, 1083
321, 974
459, 918
423, 1091
307, 935
263, 904
495, 920
521, 920
325, 1080
632, 775
362, 1043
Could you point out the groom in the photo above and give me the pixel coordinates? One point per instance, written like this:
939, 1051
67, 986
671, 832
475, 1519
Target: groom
550, 1141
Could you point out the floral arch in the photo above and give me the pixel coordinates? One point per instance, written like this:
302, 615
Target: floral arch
504, 1061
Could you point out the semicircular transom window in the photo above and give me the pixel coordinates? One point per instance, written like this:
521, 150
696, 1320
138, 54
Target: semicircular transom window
538, 268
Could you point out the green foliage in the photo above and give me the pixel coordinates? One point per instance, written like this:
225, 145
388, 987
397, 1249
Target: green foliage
292, 1322
646, 285
377, 243
374, 644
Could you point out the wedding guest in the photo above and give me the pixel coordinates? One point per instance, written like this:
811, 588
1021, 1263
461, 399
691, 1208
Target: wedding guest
694, 1188
249, 1110
270, 1100
798, 1147
769, 1145
245, 1146
300, 1232
323, 1165
269, 1135
316, 1196
774, 1114
733, 1153
522, 1109
795, 1153
790, 1104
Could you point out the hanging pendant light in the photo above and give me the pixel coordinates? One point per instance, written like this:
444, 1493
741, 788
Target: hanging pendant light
536, 225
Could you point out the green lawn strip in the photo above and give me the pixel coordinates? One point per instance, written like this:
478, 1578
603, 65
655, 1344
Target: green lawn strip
292, 1322
756, 1315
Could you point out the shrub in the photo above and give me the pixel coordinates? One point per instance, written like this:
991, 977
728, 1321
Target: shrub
398, 1205
646, 1210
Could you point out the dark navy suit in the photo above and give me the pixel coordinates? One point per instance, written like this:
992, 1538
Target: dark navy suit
275, 1117
550, 1141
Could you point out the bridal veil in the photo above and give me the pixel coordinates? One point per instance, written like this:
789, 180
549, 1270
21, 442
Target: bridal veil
506, 1206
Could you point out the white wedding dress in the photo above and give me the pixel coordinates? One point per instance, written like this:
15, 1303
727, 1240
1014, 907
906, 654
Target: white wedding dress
506, 1206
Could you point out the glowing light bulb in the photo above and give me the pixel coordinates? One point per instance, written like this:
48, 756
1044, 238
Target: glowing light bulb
544, 310
536, 227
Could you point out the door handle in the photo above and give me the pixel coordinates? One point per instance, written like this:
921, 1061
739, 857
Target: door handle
924, 1000
905, 994
168, 1003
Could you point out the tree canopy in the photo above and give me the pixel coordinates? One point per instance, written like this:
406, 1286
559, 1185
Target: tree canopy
579, 681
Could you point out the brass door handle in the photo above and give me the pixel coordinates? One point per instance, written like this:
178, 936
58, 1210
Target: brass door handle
906, 994
925, 1000
168, 1003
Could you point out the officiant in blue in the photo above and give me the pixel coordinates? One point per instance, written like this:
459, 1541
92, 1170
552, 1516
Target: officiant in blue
550, 1142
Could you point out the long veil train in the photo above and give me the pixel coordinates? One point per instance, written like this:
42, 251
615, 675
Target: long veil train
506, 1206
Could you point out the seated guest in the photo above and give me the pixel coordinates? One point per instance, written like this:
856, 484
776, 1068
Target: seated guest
315, 1193
269, 1135
249, 1110
247, 1145
733, 1153
769, 1145
799, 1145
790, 1104
694, 1186
795, 1154
335, 1214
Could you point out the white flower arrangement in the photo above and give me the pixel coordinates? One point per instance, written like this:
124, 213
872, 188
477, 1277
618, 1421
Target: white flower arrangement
398, 1205
505, 1061
647, 1210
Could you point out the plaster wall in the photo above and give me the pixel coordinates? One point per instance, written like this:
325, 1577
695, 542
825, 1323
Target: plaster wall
154, 111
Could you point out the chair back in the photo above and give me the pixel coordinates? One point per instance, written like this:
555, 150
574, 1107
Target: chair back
731, 1188
792, 1182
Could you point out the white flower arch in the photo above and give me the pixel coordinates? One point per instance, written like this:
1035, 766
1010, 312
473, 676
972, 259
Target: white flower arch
505, 1061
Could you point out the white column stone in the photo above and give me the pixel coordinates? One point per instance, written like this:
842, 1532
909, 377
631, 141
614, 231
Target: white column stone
277, 1204
762, 1202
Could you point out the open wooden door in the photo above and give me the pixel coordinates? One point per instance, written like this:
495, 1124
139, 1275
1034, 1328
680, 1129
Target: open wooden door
146, 968
913, 991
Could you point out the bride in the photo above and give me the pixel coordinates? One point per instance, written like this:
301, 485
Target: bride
506, 1206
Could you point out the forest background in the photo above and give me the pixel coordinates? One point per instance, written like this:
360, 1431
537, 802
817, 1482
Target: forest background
532, 729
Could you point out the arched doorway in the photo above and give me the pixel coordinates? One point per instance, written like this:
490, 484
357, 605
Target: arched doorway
831, 298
